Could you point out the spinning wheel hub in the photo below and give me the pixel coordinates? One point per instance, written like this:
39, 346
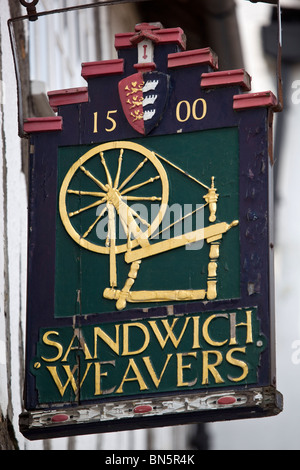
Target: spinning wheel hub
114, 197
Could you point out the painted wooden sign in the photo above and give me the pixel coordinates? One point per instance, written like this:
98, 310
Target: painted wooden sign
150, 296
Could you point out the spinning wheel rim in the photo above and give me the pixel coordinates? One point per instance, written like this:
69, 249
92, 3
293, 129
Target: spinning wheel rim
126, 145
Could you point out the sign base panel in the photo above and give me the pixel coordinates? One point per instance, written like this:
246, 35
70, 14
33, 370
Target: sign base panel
151, 412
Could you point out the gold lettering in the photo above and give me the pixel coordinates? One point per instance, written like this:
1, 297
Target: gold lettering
151, 371
83, 345
204, 111
138, 376
113, 122
196, 343
206, 335
98, 375
114, 345
180, 367
211, 367
95, 122
55, 344
142, 327
169, 329
236, 362
188, 111
70, 374
233, 326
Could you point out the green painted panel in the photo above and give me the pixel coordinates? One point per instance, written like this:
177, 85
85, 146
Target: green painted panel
188, 352
82, 275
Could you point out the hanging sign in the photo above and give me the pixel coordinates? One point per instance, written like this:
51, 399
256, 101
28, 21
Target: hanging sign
150, 298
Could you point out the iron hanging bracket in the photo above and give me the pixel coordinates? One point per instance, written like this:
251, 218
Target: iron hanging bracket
279, 106
272, 2
31, 10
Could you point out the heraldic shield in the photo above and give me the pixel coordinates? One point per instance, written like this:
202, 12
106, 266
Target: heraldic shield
144, 97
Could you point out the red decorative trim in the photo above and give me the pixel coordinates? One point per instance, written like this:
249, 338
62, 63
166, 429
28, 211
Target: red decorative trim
104, 67
43, 124
226, 78
159, 36
172, 35
145, 67
254, 100
122, 40
195, 57
144, 34
148, 26
68, 96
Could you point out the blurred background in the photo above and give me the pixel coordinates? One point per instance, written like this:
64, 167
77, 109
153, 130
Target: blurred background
50, 52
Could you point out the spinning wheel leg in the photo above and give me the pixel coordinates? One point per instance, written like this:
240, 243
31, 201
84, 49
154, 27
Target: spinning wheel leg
212, 271
122, 295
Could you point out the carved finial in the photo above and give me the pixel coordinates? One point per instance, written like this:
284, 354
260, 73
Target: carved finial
211, 198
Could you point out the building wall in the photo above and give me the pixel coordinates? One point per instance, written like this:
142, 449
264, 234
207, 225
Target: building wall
59, 43
13, 206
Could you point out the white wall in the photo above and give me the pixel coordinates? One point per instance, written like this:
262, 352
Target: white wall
13, 232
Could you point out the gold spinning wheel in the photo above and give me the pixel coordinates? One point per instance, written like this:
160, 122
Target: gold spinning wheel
114, 196
114, 193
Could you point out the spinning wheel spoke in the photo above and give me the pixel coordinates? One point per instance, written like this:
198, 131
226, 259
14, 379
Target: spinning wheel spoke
116, 183
133, 173
109, 180
95, 222
135, 214
141, 198
86, 193
92, 177
111, 242
95, 204
132, 188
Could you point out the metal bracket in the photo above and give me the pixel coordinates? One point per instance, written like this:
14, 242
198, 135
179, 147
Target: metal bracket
31, 10
272, 2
